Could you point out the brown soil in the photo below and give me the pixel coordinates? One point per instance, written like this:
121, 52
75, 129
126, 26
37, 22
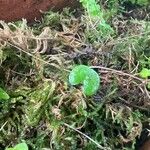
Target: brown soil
12, 10
146, 145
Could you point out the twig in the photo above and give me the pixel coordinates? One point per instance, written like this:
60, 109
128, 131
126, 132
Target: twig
98, 145
3, 126
120, 73
144, 82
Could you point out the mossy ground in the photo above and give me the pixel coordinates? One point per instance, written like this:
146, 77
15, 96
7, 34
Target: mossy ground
47, 112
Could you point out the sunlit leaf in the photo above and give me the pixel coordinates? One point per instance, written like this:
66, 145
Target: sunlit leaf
145, 73
20, 146
78, 74
3, 95
87, 77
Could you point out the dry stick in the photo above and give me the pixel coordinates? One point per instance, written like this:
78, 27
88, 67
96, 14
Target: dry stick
98, 145
126, 74
119, 72
3, 126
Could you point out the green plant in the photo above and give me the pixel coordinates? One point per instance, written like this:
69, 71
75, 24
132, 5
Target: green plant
145, 73
82, 74
3, 95
95, 13
20, 146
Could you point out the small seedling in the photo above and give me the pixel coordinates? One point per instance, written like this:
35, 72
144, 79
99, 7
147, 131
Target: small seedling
145, 73
3, 95
87, 77
20, 146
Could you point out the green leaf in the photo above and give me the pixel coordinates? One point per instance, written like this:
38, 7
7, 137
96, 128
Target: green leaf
88, 77
20, 146
3, 95
145, 73
78, 74
91, 83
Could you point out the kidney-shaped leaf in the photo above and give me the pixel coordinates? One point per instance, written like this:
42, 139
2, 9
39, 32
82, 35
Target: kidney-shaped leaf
82, 74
